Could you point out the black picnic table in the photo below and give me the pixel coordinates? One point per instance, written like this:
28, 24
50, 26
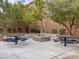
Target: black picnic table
65, 38
15, 38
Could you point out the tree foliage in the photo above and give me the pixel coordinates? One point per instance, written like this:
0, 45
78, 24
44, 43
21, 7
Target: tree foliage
39, 12
1, 3
27, 15
11, 15
66, 12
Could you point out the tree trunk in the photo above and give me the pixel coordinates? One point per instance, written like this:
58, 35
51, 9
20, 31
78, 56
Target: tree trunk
68, 29
71, 33
71, 27
27, 29
46, 23
5, 31
41, 30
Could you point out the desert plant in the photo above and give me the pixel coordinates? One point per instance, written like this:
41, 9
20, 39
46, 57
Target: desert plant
62, 31
54, 31
35, 30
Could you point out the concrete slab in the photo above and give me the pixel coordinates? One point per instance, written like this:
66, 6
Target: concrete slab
35, 50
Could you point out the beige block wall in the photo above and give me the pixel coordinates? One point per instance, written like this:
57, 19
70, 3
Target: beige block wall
49, 25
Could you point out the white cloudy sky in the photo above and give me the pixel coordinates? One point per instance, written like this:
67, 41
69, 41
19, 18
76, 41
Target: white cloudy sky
15, 1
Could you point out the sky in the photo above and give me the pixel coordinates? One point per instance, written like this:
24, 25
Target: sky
15, 1
23, 1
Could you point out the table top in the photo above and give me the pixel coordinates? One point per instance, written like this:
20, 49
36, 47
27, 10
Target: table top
69, 36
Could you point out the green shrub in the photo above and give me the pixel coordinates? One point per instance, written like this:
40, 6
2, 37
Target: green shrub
35, 30
54, 31
19, 30
9, 30
62, 31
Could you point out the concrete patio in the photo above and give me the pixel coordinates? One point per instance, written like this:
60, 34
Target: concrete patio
37, 50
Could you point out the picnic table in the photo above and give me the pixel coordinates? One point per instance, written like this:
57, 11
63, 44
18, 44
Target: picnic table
67, 38
14, 38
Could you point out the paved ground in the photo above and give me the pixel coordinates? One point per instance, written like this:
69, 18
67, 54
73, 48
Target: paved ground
35, 50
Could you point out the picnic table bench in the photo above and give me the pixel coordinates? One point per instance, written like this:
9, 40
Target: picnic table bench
15, 38
68, 39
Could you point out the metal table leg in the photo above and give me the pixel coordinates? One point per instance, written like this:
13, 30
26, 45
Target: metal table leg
64, 41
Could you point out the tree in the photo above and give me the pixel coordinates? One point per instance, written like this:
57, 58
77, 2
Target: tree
1, 3
3, 17
27, 17
11, 15
17, 13
66, 12
39, 12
